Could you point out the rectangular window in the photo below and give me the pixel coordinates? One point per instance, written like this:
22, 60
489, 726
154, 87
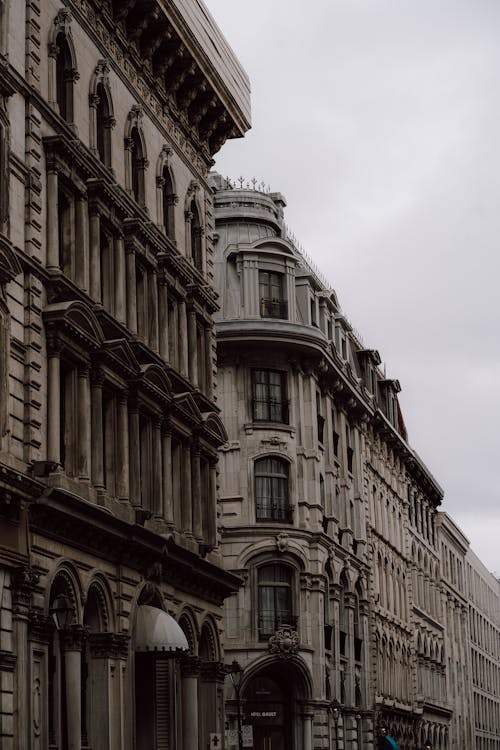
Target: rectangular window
350, 451
272, 297
320, 420
335, 435
275, 599
269, 402
271, 490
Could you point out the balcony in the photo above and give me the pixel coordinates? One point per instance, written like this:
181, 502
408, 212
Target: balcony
274, 512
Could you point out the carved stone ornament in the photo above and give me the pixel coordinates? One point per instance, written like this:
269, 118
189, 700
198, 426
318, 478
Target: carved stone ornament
282, 542
284, 643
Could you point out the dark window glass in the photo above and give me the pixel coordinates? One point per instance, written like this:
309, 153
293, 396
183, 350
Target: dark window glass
272, 298
269, 396
271, 490
275, 599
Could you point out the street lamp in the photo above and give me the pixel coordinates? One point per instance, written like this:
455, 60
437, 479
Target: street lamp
336, 711
236, 673
62, 612
427, 745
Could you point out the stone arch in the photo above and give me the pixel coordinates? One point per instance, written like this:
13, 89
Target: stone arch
102, 119
294, 666
65, 580
194, 227
63, 72
187, 622
136, 160
99, 588
209, 646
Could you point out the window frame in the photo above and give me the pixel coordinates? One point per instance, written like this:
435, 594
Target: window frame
280, 616
273, 302
279, 509
281, 405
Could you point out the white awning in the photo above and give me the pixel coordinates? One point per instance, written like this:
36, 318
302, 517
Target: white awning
155, 630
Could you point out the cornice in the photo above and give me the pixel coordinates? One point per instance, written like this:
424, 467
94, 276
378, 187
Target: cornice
63, 516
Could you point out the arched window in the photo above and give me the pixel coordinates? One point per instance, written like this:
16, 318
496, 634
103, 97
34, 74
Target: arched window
103, 126
196, 233
275, 598
168, 202
136, 157
271, 490
137, 167
101, 119
64, 79
62, 66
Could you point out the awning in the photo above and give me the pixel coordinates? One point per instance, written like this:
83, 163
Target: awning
155, 631
389, 744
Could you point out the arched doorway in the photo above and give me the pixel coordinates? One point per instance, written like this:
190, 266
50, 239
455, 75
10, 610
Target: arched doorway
267, 709
271, 701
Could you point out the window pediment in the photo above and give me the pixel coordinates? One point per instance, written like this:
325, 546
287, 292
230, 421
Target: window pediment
77, 318
214, 426
120, 353
185, 404
156, 381
9, 263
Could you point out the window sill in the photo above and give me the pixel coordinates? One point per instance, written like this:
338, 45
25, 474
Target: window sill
249, 427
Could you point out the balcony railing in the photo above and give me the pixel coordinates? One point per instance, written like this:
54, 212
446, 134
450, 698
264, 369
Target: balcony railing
269, 410
281, 513
271, 620
273, 308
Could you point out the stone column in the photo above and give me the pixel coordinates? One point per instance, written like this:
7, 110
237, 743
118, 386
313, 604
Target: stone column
163, 318
182, 339
120, 278
192, 348
157, 499
187, 507
152, 306
190, 670
208, 385
95, 254
307, 732
23, 583
52, 218
82, 250
131, 291
134, 453
71, 644
168, 507
106, 649
196, 491
83, 423
188, 218
212, 500
97, 429
174, 326
123, 468
54, 400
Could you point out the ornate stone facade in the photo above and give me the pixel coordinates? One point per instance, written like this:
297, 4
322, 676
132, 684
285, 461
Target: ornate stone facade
110, 113
348, 626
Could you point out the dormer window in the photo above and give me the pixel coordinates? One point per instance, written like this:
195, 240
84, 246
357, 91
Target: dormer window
272, 296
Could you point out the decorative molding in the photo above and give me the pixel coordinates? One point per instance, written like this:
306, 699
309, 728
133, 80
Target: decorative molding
284, 643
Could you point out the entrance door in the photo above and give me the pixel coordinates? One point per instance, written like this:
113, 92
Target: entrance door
269, 738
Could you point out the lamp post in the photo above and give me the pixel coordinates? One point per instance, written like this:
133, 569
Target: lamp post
62, 612
427, 745
236, 672
336, 711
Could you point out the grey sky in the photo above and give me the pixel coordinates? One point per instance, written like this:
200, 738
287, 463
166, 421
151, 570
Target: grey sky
379, 120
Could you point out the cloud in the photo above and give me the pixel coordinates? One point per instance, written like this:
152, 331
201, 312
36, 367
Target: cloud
378, 121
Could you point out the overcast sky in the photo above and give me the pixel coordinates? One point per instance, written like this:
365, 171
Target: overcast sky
379, 120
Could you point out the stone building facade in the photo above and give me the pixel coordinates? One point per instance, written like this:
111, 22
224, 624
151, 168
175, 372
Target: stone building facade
483, 598
348, 627
110, 113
